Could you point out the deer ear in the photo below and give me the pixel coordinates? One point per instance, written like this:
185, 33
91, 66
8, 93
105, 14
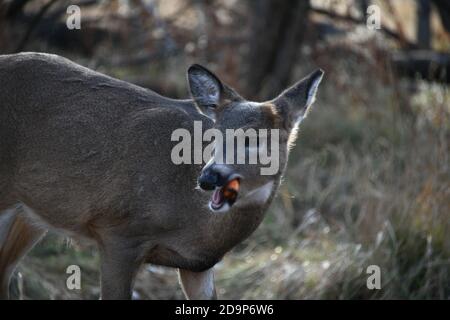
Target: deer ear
294, 103
206, 89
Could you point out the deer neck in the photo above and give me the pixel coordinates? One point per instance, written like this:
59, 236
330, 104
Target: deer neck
225, 230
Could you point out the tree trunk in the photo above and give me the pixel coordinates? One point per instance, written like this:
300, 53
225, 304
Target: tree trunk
423, 24
443, 8
277, 29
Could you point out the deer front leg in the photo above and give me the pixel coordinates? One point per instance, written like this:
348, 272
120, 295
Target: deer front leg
118, 270
198, 285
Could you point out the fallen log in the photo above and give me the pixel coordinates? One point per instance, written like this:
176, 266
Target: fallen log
425, 64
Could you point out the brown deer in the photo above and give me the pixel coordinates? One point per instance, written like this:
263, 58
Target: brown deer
90, 155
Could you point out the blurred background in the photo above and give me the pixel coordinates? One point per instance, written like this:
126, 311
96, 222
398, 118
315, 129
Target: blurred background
369, 180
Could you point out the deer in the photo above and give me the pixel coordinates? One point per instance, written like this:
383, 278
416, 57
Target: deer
89, 156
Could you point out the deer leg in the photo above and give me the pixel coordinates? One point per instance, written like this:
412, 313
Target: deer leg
17, 237
198, 285
119, 266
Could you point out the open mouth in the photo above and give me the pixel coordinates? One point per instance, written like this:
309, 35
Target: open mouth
225, 195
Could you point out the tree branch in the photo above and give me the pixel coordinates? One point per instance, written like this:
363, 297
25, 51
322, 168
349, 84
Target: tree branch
348, 18
33, 24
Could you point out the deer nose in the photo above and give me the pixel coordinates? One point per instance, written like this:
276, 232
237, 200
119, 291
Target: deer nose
213, 176
208, 180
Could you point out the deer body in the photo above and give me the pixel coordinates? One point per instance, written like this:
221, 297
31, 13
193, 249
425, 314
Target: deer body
89, 155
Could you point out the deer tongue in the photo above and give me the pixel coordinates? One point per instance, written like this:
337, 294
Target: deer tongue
228, 192
217, 198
